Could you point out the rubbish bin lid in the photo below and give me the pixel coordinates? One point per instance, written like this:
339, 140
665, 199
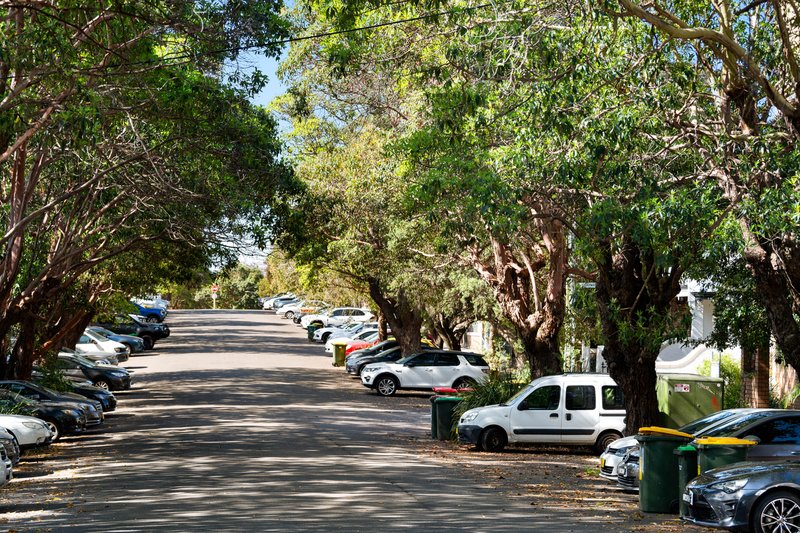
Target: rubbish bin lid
655, 430
438, 399
339, 342
724, 441
686, 449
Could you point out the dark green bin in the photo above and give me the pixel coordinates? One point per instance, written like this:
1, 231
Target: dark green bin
687, 471
442, 408
721, 451
658, 472
311, 329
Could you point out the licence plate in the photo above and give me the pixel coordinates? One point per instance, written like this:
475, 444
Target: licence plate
687, 497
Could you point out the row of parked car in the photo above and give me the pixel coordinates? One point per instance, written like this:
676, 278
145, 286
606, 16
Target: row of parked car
761, 494
32, 414
379, 364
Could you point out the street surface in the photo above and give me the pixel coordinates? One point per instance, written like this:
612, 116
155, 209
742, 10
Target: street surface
237, 423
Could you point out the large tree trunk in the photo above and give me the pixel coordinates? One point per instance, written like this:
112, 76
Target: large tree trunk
404, 318
755, 376
634, 298
536, 314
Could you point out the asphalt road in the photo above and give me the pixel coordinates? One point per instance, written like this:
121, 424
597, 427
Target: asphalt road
237, 423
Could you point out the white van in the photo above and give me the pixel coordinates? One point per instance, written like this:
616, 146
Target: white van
571, 409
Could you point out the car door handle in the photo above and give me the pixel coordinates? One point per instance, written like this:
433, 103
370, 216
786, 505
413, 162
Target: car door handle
553, 415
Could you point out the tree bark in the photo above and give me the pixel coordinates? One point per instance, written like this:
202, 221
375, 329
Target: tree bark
403, 317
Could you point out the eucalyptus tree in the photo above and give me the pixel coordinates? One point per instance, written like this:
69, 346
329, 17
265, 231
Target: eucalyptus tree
744, 123
116, 131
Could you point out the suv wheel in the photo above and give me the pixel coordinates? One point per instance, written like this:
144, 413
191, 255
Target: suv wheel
55, 429
148, 342
386, 385
464, 383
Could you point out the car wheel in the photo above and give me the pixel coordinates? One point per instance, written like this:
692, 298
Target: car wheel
148, 342
151, 320
55, 429
464, 383
289, 315
493, 440
103, 384
325, 337
386, 385
605, 439
359, 369
777, 512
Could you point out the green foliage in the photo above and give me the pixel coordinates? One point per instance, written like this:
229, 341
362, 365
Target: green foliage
52, 376
238, 289
495, 390
731, 373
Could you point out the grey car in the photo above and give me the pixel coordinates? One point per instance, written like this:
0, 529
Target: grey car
753, 496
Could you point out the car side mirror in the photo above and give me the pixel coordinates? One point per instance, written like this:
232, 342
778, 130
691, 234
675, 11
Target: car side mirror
753, 438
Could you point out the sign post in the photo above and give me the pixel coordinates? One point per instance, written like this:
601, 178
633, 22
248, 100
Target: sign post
214, 289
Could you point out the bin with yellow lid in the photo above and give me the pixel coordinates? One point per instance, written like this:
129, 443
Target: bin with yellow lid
714, 452
658, 469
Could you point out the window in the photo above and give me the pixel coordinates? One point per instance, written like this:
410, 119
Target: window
612, 397
475, 359
546, 398
424, 359
338, 312
580, 398
357, 312
780, 431
447, 359
85, 340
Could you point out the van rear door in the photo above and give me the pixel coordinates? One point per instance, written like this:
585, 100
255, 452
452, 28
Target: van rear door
581, 414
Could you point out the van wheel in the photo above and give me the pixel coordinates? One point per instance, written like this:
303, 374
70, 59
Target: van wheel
605, 439
493, 440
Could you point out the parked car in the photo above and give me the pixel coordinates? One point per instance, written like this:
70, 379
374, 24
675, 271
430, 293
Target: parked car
301, 308
94, 343
613, 455
750, 496
338, 316
38, 393
151, 313
570, 409
424, 371
135, 325
270, 302
28, 430
279, 303
81, 386
8, 443
325, 334
101, 358
104, 376
368, 335
6, 468
62, 418
134, 344
628, 470
354, 364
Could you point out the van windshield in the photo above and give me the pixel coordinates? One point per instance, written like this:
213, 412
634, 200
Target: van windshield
514, 398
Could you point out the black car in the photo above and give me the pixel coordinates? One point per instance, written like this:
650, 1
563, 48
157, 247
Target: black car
63, 418
39, 393
104, 376
136, 325
356, 362
82, 387
763, 497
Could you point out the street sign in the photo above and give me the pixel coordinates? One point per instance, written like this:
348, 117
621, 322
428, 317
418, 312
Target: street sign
214, 289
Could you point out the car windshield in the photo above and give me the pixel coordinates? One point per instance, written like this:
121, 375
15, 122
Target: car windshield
713, 418
94, 335
102, 331
84, 360
16, 398
511, 400
732, 426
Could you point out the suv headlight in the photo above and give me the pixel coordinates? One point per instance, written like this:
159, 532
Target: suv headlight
32, 425
469, 416
118, 374
367, 370
729, 487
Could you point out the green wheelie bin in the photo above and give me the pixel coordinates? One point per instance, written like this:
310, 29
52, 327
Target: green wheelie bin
658, 469
714, 452
442, 408
687, 471
311, 329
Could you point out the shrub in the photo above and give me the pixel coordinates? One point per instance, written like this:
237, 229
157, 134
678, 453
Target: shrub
731, 373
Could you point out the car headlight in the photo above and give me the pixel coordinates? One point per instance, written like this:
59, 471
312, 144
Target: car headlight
367, 370
32, 425
470, 416
117, 374
729, 487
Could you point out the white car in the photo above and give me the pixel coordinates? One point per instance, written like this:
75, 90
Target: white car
94, 346
339, 316
305, 307
568, 409
366, 335
337, 332
6, 468
28, 431
613, 456
426, 370
269, 303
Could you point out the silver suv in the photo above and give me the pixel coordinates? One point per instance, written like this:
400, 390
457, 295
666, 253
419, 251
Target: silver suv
426, 370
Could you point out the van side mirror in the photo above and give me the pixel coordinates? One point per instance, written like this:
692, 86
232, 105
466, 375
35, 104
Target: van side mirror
523, 405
